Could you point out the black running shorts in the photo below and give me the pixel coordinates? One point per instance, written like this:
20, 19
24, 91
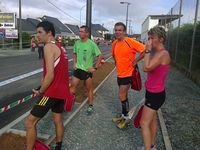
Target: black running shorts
43, 105
154, 100
81, 74
124, 81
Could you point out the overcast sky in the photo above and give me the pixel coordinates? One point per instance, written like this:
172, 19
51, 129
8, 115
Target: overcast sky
106, 12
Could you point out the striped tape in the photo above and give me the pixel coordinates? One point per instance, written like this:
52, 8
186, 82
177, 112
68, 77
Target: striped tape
16, 103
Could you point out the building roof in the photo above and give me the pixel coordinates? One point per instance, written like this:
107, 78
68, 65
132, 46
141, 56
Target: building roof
59, 26
73, 28
26, 25
98, 27
165, 18
95, 33
34, 22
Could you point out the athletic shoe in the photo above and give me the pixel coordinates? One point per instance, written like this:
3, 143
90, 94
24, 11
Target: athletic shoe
58, 146
90, 109
123, 124
143, 148
117, 119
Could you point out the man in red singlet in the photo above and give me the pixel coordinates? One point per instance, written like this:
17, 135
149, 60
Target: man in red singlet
54, 89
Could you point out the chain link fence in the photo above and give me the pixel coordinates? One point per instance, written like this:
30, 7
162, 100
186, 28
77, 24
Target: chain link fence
184, 37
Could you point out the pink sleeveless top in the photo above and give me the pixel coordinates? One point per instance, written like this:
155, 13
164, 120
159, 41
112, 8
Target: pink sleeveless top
155, 82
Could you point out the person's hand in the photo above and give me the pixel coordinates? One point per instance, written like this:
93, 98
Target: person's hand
134, 63
149, 44
91, 70
74, 67
36, 92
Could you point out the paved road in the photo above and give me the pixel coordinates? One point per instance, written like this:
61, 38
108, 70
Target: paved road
14, 66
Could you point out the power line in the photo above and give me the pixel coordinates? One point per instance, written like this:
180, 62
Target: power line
62, 11
70, 5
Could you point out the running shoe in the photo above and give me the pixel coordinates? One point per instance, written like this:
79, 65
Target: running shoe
143, 148
123, 124
117, 119
90, 110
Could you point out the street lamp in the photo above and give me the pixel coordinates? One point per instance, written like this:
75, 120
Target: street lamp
89, 16
20, 24
80, 13
127, 3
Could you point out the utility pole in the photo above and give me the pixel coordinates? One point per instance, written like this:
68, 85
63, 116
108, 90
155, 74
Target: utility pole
129, 32
193, 36
89, 16
20, 24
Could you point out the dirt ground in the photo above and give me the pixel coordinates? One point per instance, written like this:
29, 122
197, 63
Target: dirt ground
98, 76
10, 141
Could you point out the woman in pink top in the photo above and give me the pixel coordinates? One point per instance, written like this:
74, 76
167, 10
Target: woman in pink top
157, 67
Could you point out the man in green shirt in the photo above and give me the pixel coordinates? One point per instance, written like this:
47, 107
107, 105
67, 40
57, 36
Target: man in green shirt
85, 51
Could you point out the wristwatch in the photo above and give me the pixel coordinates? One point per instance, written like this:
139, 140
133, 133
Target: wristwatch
40, 92
147, 51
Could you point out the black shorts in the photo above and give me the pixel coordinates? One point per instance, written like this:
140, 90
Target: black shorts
81, 74
124, 81
154, 100
43, 105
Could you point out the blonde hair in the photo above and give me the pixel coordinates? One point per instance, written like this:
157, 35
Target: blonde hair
158, 31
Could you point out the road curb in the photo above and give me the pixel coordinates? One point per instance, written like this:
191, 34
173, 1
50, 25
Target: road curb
167, 142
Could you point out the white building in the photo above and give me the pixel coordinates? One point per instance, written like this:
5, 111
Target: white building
155, 20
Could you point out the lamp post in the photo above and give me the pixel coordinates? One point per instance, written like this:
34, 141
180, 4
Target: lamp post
127, 3
89, 16
80, 13
20, 24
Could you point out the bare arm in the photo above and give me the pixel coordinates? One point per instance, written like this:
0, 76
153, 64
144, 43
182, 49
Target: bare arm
140, 57
49, 59
150, 64
75, 60
114, 60
93, 69
99, 58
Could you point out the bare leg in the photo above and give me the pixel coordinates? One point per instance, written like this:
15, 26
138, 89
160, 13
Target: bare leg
154, 129
74, 84
31, 133
123, 92
57, 118
123, 96
90, 90
146, 120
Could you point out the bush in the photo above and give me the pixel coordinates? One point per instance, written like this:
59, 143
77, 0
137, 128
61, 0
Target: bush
184, 47
70, 42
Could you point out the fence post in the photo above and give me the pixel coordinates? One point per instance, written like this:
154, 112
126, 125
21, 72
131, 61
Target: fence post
193, 35
179, 23
168, 32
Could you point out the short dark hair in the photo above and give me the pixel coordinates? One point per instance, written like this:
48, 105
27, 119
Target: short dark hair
121, 24
86, 28
47, 26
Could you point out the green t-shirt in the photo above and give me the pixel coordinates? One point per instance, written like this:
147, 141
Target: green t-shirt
85, 53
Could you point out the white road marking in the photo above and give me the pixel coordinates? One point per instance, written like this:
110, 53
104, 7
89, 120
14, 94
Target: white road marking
20, 77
